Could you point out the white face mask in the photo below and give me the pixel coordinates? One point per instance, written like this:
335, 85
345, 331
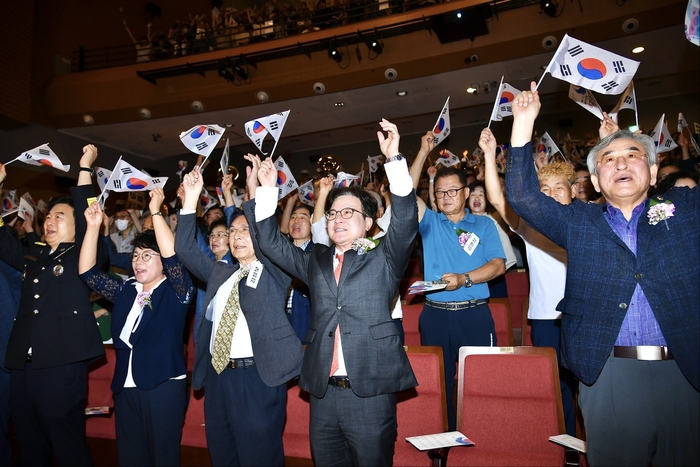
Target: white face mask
122, 224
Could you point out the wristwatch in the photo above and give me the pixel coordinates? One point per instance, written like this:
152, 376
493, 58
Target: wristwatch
467, 281
398, 157
88, 169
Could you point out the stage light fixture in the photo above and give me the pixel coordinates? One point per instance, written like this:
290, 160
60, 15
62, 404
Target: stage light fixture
333, 52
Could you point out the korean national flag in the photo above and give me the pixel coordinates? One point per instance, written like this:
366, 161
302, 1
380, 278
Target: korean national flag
447, 158
547, 145
585, 99
442, 126
375, 162
306, 193
285, 180
202, 139
503, 107
591, 67
662, 137
261, 127
42, 156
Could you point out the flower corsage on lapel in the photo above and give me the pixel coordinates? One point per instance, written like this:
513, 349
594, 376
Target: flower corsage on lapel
660, 210
144, 299
363, 245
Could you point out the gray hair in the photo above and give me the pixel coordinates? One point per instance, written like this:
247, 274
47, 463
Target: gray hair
644, 140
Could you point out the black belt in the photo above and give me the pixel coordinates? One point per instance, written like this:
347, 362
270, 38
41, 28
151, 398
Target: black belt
341, 382
456, 306
241, 363
644, 352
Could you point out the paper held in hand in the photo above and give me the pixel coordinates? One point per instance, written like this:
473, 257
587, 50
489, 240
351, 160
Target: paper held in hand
439, 440
426, 286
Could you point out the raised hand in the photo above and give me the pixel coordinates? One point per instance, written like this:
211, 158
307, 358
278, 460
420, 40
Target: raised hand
251, 180
607, 126
325, 185
432, 171
267, 174
156, 202
389, 145
427, 141
93, 216
227, 183
526, 107
89, 155
192, 184
3, 173
487, 143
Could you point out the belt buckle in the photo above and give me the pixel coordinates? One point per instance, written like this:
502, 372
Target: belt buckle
651, 352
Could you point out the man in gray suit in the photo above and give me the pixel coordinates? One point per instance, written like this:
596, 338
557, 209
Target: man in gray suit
245, 348
354, 362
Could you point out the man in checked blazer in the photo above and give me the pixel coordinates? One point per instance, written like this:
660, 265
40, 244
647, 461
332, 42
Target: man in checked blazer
630, 313
245, 404
353, 403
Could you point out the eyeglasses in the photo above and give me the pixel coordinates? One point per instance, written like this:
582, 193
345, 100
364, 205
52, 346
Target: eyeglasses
610, 159
243, 230
145, 256
452, 192
219, 235
345, 213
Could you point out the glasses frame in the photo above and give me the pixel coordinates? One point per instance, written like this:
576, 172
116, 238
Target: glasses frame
332, 214
628, 157
439, 194
219, 235
136, 256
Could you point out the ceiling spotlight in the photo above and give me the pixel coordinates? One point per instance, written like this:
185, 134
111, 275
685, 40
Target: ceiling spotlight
374, 44
549, 7
241, 72
333, 51
262, 97
197, 106
339, 104
88, 120
145, 113
401, 93
459, 15
638, 50
473, 88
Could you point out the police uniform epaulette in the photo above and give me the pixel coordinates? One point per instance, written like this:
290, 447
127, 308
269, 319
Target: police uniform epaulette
40, 243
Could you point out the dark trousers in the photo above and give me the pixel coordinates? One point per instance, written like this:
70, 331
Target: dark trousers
149, 424
452, 330
547, 333
244, 418
347, 430
5, 449
641, 413
48, 413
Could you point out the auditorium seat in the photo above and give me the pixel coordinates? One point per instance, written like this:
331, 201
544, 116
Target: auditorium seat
509, 404
421, 410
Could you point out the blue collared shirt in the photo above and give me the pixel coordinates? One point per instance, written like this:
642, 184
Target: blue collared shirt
639, 326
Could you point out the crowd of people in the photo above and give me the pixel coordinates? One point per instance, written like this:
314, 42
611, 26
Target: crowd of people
229, 27
267, 277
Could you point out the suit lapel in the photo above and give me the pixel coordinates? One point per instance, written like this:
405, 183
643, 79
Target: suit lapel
326, 260
348, 265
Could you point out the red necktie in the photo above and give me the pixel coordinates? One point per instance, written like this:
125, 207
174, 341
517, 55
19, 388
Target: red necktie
336, 342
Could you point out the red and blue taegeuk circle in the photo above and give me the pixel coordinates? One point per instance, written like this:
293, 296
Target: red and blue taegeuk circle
136, 184
592, 68
198, 132
506, 97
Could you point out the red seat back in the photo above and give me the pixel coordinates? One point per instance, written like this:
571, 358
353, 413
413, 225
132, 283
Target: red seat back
296, 429
411, 314
100, 377
518, 289
502, 322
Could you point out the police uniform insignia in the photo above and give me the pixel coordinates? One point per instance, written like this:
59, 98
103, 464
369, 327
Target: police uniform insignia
58, 270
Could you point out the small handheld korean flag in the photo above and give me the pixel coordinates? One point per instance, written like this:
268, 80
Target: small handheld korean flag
375, 162
27, 197
223, 163
42, 156
306, 193
202, 139
591, 67
447, 158
126, 177
585, 99
9, 203
344, 179
628, 100
285, 180
547, 145
26, 210
206, 200
102, 177
503, 106
662, 137
261, 127
682, 125
442, 126
181, 167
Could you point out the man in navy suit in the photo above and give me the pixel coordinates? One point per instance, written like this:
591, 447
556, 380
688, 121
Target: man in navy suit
630, 320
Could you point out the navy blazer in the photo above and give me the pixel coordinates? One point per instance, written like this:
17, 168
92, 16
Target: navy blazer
361, 303
602, 272
158, 350
276, 348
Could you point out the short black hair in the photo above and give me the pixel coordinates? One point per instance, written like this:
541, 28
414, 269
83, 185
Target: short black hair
146, 240
236, 214
449, 171
212, 208
308, 208
477, 184
369, 204
220, 222
669, 181
61, 200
